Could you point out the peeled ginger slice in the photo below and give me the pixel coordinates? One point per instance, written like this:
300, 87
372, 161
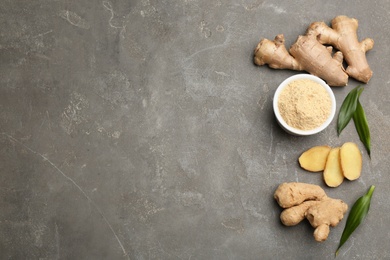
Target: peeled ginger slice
351, 161
333, 174
314, 159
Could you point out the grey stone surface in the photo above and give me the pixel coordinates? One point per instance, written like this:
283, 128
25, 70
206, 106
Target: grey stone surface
142, 130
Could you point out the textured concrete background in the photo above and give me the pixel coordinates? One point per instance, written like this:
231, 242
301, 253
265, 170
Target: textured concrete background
142, 130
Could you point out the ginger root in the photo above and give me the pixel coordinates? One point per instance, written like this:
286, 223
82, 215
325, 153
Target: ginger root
274, 54
302, 200
343, 36
306, 54
309, 54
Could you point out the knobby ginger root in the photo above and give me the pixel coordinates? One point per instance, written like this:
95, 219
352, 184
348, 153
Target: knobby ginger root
302, 200
309, 54
274, 54
343, 36
299, 192
306, 54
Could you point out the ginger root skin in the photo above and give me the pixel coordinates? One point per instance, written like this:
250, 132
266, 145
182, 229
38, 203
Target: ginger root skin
309, 54
343, 37
302, 200
275, 54
318, 60
328, 212
294, 193
292, 216
305, 54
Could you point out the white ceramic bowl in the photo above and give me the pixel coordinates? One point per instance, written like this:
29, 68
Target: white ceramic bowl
295, 131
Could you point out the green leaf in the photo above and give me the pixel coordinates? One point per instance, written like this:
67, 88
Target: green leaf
356, 216
361, 125
348, 108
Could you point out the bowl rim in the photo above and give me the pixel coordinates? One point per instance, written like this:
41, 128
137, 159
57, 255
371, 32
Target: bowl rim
294, 130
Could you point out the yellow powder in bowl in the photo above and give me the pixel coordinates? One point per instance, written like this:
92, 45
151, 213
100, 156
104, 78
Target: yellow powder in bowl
304, 104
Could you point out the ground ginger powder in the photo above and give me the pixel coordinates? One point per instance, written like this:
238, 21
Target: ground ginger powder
304, 104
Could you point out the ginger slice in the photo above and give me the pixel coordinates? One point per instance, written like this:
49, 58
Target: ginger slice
333, 174
314, 159
351, 161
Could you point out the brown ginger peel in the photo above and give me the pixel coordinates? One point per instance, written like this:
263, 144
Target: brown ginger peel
343, 36
305, 54
309, 54
302, 200
275, 54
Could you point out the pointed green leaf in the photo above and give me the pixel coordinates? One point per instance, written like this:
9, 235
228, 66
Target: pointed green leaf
361, 125
348, 108
356, 216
